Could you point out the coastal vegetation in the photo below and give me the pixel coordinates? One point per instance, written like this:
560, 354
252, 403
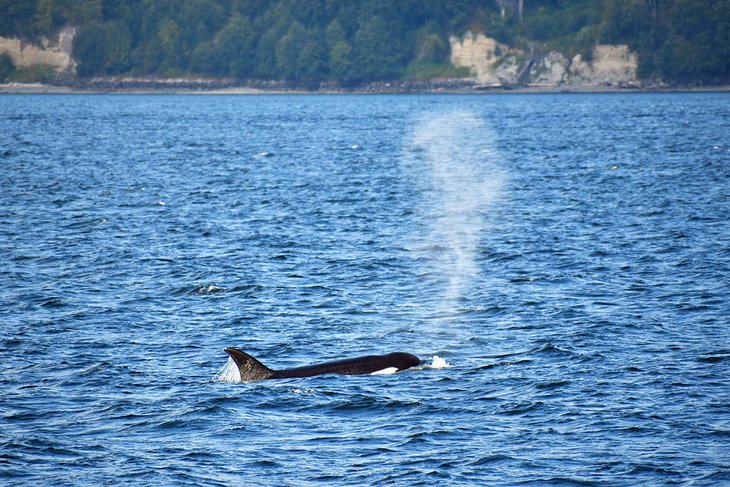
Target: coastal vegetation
354, 41
7, 67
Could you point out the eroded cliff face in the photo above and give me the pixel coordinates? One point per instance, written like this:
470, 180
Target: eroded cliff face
613, 65
496, 64
54, 53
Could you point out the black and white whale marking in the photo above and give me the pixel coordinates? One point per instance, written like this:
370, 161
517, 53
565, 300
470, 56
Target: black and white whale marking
251, 370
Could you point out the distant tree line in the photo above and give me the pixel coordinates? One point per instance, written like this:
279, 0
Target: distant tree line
353, 41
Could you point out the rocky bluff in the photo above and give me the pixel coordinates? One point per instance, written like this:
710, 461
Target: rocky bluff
55, 52
494, 64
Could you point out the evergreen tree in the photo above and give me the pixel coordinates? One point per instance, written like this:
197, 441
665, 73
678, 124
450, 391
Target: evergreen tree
89, 49
43, 18
288, 49
311, 62
236, 44
378, 52
7, 66
117, 48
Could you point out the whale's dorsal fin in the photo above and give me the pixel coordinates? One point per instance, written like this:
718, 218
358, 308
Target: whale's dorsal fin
251, 370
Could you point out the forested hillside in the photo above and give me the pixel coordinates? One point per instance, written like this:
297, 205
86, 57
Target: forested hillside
352, 41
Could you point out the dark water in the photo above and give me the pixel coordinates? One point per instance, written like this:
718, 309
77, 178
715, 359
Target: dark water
567, 255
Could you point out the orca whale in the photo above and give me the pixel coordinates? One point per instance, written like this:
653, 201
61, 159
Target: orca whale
251, 370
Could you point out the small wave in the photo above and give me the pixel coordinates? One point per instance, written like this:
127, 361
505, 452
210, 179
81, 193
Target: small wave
301, 390
517, 280
503, 363
54, 303
365, 402
94, 368
249, 289
494, 458
712, 357
552, 384
520, 407
551, 349
208, 289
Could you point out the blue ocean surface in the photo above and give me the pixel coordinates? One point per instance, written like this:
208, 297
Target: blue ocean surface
566, 255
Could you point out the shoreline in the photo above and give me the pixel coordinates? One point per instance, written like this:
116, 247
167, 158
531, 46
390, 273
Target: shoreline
206, 87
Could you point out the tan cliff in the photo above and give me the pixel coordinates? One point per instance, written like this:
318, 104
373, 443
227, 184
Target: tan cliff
611, 64
496, 64
56, 53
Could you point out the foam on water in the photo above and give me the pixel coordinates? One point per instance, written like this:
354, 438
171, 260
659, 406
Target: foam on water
228, 373
438, 363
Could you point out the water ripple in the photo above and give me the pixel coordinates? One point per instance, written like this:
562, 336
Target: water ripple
565, 254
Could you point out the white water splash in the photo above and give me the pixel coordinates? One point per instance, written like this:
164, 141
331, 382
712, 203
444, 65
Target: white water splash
457, 153
438, 363
228, 373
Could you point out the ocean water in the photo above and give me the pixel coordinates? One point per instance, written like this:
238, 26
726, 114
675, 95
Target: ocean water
567, 256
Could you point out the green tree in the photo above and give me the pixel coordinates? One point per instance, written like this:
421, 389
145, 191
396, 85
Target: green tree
88, 49
288, 49
198, 21
697, 44
273, 24
15, 18
235, 45
721, 39
43, 18
430, 46
102, 48
626, 21
339, 55
80, 12
206, 59
311, 62
119, 10
334, 33
168, 35
340, 62
378, 50
117, 48
7, 66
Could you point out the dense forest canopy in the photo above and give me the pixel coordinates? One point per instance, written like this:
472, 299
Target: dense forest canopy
362, 40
